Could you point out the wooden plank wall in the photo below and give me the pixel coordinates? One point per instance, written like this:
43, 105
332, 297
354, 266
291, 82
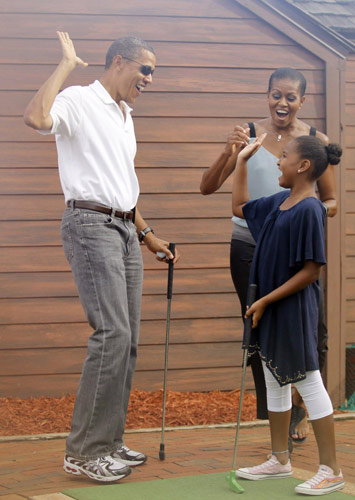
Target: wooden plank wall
349, 268
214, 59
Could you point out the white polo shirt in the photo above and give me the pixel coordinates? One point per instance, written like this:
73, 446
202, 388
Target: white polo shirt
96, 147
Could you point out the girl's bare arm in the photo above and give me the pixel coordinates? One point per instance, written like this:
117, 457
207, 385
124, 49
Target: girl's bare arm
240, 193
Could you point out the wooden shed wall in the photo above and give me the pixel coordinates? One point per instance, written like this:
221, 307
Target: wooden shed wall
349, 268
214, 59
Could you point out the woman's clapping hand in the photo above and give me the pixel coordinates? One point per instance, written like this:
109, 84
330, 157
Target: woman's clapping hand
249, 150
237, 140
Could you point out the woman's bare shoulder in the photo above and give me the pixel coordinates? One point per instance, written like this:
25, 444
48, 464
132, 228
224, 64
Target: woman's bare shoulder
324, 138
305, 129
261, 126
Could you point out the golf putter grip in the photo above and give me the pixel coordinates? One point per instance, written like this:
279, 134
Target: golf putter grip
170, 272
249, 320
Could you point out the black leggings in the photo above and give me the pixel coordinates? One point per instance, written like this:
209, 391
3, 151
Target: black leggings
241, 256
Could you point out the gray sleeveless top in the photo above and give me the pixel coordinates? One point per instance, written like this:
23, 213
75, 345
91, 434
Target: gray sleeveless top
263, 180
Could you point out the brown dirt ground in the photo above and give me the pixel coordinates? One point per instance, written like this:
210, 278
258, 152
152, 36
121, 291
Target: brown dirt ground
51, 415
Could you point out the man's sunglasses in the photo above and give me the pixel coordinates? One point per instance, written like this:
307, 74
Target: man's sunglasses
145, 69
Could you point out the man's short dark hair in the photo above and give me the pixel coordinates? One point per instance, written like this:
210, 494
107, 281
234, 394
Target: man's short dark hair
128, 46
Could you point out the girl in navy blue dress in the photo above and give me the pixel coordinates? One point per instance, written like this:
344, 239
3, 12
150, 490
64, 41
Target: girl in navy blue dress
289, 231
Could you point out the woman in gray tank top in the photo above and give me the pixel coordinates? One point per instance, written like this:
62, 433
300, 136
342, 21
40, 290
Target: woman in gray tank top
286, 95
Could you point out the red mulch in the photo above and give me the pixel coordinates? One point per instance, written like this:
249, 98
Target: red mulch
49, 415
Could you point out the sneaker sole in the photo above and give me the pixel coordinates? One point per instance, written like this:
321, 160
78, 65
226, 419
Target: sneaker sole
71, 470
132, 463
258, 477
315, 492
77, 471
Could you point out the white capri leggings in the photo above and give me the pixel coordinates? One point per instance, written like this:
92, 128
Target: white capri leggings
312, 390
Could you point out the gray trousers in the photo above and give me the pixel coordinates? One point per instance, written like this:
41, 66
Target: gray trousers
106, 263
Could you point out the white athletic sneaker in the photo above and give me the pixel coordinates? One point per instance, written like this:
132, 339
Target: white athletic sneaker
129, 457
103, 469
271, 469
321, 483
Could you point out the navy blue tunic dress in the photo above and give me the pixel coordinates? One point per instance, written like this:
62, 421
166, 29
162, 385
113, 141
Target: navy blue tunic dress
286, 336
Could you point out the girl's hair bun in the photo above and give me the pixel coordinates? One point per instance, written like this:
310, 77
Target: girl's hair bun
334, 152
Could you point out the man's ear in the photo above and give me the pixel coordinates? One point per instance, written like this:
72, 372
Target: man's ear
117, 61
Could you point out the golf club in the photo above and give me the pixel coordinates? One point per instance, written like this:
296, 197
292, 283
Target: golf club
169, 295
231, 477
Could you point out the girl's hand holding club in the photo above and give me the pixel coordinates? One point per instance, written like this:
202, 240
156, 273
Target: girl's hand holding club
256, 310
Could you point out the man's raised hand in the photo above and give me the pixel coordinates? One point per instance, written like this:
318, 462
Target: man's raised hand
68, 50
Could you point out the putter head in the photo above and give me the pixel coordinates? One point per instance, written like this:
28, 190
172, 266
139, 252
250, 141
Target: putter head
233, 483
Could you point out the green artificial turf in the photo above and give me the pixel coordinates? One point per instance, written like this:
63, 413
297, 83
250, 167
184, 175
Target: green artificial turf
201, 487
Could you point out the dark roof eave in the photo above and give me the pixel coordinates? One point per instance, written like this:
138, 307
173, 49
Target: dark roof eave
327, 37
334, 33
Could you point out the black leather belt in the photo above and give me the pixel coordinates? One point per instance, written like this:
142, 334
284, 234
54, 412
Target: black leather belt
97, 207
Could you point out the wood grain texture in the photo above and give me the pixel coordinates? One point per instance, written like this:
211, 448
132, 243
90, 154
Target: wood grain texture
214, 58
69, 309
52, 259
172, 54
350, 245
151, 181
350, 202
350, 93
43, 154
350, 223
350, 182
205, 379
47, 233
189, 8
168, 79
350, 310
350, 332
350, 137
61, 284
159, 28
70, 360
151, 129
187, 104
350, 70
152, 206
349, 267
350, 289
182, 331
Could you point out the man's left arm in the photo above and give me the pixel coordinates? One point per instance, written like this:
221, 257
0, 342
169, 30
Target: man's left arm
153, 243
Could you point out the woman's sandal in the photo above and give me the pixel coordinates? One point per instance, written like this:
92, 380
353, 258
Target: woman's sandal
297, 415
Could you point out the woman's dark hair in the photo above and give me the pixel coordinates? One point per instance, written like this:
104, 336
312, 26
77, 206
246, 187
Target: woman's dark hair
289, 74
128, 46
313, 149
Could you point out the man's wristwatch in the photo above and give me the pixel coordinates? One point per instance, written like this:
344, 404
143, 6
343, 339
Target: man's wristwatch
143, 233
326, 208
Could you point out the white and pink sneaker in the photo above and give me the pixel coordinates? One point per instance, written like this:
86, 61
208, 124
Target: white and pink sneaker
321, 483
271, 469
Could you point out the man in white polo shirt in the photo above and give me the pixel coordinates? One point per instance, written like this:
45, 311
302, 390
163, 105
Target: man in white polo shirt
96, 147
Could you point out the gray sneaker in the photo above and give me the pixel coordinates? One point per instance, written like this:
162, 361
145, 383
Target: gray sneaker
129, 457
104, 469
